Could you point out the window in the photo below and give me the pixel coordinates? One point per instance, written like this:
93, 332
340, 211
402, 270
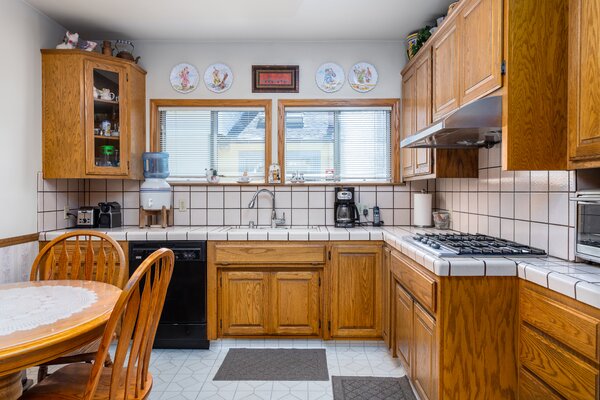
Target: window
340, 141
229, 136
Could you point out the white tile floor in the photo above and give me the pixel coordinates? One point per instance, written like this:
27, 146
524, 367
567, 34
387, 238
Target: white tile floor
187, 374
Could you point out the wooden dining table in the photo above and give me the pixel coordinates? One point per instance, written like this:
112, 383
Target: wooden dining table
40, 321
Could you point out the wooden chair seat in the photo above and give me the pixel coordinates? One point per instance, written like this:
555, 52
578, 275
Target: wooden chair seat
69, 383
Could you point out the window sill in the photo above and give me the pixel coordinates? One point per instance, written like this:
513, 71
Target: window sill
252, 183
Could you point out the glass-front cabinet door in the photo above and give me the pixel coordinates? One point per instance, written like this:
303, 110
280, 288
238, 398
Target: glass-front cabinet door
106, 125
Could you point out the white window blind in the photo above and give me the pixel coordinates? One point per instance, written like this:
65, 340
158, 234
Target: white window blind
353, 143
229, 140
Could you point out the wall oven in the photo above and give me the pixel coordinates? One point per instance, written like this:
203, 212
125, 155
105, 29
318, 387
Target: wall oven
587, 244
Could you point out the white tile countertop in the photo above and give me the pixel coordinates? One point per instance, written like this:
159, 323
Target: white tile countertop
576, 280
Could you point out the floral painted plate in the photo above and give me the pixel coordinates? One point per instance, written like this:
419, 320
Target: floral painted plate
362, 77
184, 78
218, 78
330, 77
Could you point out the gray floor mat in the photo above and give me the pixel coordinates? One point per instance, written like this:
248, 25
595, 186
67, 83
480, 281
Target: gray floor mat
371, 388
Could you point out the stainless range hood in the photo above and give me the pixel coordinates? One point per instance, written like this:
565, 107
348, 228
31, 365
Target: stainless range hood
475, 125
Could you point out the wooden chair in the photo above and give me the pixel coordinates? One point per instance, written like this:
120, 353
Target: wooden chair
138, 309
86, 255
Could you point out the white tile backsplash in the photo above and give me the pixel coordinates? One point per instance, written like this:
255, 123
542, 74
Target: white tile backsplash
530, 207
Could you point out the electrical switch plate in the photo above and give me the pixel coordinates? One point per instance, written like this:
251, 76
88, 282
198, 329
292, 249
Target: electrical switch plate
182, 207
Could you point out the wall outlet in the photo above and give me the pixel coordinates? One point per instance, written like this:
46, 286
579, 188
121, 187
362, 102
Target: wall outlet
182, 206
362, 209
66, 212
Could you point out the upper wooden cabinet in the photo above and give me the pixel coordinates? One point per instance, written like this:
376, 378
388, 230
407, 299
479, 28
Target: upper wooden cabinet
516, 49
584, 84
446, 72
534, 107
416, 115
480, 28
77, 139
356, 291
409, 105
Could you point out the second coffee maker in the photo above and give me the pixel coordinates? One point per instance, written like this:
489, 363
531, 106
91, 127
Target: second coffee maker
346, 212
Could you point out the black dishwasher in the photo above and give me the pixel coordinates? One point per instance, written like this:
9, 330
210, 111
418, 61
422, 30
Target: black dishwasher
183, 321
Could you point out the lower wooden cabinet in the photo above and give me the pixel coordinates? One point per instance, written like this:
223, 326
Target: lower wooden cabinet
416, 343
244, 303
559, 346
387, 298
425, 353
403, 329
356, 291
455, 335
295, 302
270, 303
531, 388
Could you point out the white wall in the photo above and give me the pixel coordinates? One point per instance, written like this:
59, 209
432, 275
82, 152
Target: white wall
158, 58
24, 32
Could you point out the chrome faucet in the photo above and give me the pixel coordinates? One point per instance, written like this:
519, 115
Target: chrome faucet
275, 222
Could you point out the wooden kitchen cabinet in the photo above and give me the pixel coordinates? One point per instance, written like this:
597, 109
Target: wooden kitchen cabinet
244, 299
76, 141
446, 70
387, 298
295, 302
584, 84
424, 365
265, 289
417, 115
517, 50
355, 291
480, 29
559, 348
454, 335
403, 331
409, 112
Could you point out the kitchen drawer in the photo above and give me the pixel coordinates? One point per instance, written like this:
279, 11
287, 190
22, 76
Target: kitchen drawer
421, 286
531, 388
566, 373
272, 253
567, 325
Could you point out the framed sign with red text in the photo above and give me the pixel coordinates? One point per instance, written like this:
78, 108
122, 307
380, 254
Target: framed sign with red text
275, 78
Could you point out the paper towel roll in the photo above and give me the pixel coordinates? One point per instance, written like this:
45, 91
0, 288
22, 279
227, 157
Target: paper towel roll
422, 209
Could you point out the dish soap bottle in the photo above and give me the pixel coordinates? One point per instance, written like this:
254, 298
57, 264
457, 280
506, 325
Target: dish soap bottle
274, 173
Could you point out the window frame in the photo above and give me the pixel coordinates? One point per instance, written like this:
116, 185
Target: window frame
394, 104
266, 104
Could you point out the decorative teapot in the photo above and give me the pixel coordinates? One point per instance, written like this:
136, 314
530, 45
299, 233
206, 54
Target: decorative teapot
125, 49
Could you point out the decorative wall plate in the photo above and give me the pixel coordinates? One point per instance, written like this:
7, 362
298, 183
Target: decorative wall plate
330, 77
362, 77
218, 78
184, 78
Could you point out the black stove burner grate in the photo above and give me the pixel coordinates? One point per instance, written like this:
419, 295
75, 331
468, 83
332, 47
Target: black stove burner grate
468, 244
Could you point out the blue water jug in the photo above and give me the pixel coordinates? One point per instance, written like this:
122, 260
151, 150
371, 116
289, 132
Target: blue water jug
156, 164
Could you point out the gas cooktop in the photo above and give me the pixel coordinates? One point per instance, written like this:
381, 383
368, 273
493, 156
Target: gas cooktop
462, 244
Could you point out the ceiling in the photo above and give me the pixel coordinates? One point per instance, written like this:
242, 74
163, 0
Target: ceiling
243, 20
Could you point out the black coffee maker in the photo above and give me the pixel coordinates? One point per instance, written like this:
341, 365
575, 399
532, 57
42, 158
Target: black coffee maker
346, 213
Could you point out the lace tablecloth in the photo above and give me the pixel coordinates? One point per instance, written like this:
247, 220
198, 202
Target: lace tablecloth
27, 308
